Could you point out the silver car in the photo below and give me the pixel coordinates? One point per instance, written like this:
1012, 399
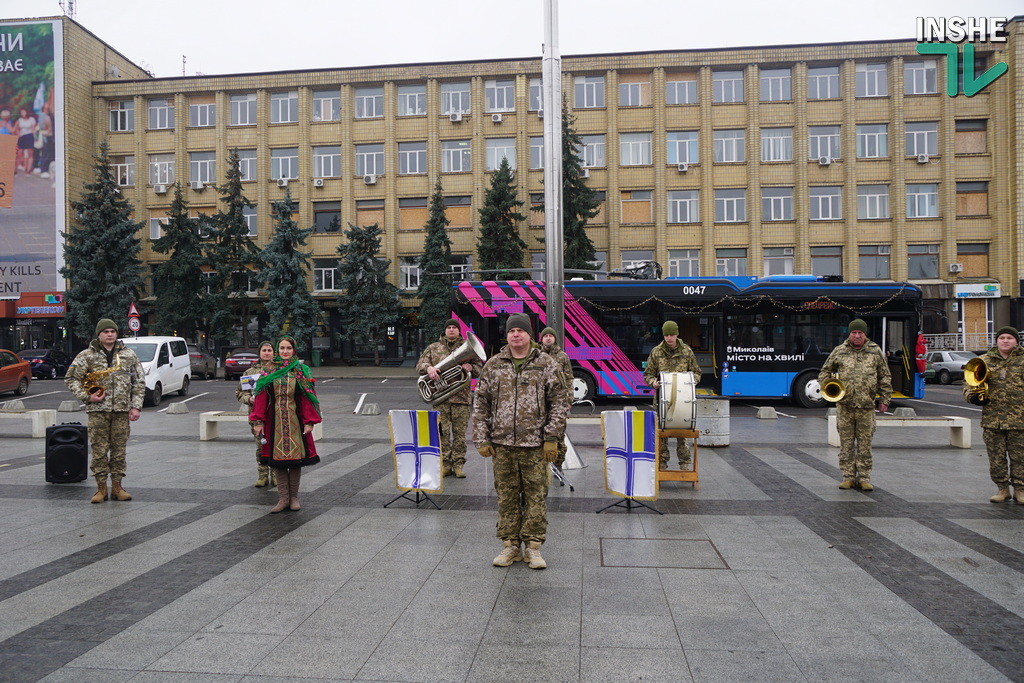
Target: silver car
204, 365
949, 365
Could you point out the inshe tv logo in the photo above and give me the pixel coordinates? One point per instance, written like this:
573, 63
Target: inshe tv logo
943, 36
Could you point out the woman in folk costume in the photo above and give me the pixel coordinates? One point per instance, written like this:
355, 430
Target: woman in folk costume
286, 407
244, 396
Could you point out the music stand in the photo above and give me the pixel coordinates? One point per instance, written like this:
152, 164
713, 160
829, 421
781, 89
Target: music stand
629, 503
420, 497
416, 441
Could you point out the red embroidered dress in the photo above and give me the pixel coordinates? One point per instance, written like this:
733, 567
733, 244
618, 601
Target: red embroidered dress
282, 403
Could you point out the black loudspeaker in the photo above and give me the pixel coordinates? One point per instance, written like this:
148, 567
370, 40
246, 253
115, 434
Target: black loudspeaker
67, 453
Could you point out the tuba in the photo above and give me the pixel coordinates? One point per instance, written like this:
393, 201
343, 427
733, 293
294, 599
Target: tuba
976, 376
833, 389
451, 377
92, 380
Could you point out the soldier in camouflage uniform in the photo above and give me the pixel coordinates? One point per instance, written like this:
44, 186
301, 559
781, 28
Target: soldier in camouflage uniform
1002, 418
264, 475
520, 411
672, 355
453, 412
860, 365
111, 408
549, 345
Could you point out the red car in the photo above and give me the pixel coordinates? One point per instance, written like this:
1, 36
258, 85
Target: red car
15, 373
237, 364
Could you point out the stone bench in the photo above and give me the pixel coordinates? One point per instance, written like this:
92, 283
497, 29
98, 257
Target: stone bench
959, 427
209, 423
41, 419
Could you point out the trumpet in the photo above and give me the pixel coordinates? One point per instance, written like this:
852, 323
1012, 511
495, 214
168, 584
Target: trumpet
976, 376
451, 376
833, 389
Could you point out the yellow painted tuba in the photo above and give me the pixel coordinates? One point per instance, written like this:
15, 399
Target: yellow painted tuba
976, 376
451, 376
833, 389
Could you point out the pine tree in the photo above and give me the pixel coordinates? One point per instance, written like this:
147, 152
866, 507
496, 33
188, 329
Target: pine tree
579, 201
370, 303
179, 311
290, 304
101, 254
500, 245
435, 290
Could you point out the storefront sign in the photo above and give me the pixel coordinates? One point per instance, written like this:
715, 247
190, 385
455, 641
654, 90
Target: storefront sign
985, 290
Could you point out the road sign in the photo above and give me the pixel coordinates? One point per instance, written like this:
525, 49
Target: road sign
134, 324
133, 310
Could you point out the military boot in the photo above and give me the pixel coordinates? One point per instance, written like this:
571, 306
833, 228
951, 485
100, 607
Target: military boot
101, 490
446, 470
1018, 495
532, 556
459, 472
1002, 495
846, 484
264, 476
509, 554
116, 491
865, 485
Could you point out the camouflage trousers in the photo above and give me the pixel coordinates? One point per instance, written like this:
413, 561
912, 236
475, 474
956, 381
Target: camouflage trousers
682, 453
562, 450
523, 471
255, 427
856, 428
453, 421
1005, 445
108, 432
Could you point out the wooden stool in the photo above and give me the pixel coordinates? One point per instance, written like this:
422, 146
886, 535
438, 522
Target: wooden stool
677, 475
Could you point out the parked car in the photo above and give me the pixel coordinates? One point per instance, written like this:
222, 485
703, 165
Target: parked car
166, 363
15, 373
46, 363
948, 366
204, 365
238, 363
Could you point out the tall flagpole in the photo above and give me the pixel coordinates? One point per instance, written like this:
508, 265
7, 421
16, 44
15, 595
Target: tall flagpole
553, 231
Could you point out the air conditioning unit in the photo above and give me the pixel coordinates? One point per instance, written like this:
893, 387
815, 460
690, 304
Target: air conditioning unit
495, 118
824, 161
683, 166
787, 251
540, 113
455, 118
922, 158
318, 182
371, 179
282, 182
198, 185
160, 189
956, 267
585, 173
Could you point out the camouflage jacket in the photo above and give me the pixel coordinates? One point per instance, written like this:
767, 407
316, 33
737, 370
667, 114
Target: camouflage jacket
564, 366
245, 395
437, 352
522, 408
1005, 409
665, 359
126, 386
862, 371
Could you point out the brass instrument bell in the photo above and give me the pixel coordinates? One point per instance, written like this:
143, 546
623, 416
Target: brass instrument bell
976, 376
833, 389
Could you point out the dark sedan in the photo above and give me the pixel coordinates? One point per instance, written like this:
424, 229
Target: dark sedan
204, 365
15, 373
46, 363
237, 364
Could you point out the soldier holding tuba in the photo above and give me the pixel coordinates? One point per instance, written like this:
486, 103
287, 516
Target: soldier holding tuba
860, 368
454, 409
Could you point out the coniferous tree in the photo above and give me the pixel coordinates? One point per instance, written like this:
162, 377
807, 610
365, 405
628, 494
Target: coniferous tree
290, 305
101, 254
500, 245
435, 289
178, 280
370, 303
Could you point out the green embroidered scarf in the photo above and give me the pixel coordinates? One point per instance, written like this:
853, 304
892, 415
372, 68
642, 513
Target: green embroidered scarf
277, 368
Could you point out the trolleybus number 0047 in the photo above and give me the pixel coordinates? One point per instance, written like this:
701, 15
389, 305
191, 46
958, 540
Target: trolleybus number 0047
694, 290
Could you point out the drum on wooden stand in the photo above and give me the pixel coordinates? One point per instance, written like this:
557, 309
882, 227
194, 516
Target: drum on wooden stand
677, 400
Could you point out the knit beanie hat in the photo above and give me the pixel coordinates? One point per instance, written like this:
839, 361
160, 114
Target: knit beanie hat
548, 330
453, 321
1007, 330
857, 325
670, 327
105, 324
520, 320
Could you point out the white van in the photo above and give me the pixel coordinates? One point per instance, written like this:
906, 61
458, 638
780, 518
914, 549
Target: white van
166, 362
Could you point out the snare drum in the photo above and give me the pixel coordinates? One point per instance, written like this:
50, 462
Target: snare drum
677, 400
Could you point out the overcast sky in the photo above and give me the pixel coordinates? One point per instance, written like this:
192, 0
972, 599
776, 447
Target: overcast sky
271, 35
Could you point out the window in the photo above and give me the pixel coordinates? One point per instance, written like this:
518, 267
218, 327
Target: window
249, 214
823, 83
589, 91
823, 141
874, 262
636, 206
412, 100
592, 154
284, 107
826, 203
971, 136
370, 212
456, 156
537, 261
284, 163
730, 262
634, 90
729, 146
681, 89
370, 159
682, 147
412, 213
161, 169
684, 262
730, 206
326, 216
123, 169
974, 258
922, 261
243, 109
922, 138
461, 264
409, 272
871, 80
872, 201
498, 149
369, 103
776, 203
202, 111
325, 275
776, 144
683, 206
458, 211
923, 200
600, 263
202, 167
157, 220
536, 94
826, 261
872, 140
454, 98
122, 116
635, 149
499, 96
778, 260
599, 218
161, 113
326, 105
247, 164
972, 199
980, 67
919, 77
536, 213
412, 158
327, 162
727, 86
537, 152
776, 85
